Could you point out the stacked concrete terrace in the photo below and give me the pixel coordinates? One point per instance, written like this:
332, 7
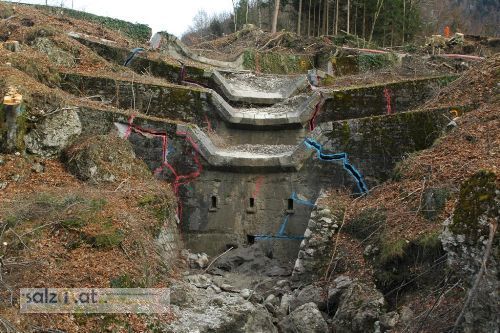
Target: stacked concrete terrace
249, 153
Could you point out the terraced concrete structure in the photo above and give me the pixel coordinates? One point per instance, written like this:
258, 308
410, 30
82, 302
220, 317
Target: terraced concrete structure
249, 154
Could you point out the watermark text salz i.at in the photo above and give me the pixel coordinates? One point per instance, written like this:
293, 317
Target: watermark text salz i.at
94, 300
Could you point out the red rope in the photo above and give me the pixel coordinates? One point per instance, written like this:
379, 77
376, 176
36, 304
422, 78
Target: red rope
312, 121
179, 180
258, 185
387, 94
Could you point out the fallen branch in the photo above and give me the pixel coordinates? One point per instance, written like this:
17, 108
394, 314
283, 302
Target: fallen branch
257, 286
327, 273
271, 40
227, 251
7, 326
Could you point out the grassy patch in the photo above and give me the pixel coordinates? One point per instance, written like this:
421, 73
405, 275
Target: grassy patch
73, 223
108, 239
392, 250
125, 281
368, 224
161, 209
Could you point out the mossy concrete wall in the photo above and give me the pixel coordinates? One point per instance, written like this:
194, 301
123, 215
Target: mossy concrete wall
173, 102
356, 64
372, 100
376, 144
277, 63
164, 101
143, 65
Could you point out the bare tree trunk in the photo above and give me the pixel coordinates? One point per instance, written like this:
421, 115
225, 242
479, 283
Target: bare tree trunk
314, 19
364, 19
337, 18
323, 24
380, 3
259, 14
348, 16
309, 20
235, 9
356, 19
270, 15
275, 16
299, 20
319, 18
328, 17
246, 14
404, 22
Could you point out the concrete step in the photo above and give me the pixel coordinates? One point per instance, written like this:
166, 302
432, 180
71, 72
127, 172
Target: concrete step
258, 157
246, 87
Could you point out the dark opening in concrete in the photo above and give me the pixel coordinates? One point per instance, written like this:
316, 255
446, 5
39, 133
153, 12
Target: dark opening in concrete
252, 202
250, 239
213, 203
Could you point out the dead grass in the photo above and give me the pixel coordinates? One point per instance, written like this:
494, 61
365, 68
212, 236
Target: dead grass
59, 232
472, 146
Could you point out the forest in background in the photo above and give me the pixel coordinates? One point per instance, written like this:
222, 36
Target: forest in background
384, 22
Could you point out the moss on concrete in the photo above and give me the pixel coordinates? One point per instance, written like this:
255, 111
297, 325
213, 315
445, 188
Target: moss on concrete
478, 199
369, 100
276, 63
346, 133
355, 64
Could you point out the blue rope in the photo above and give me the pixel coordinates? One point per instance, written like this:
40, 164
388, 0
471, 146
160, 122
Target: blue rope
301, 202
281, 233
132, 55
264, 237
311, 143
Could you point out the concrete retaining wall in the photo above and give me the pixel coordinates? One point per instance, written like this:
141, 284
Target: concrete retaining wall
165, 101
358, 102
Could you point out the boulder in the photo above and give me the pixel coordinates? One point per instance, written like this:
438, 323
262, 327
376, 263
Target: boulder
338, 287
469, 233
203, 311
309, 294
104, 158
305, 319
389, 320
246, 260
198, 260
55, 54
360, 306
54, 133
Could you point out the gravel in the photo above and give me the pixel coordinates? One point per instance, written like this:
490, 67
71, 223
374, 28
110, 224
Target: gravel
261, 149
289, 105
261, 83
